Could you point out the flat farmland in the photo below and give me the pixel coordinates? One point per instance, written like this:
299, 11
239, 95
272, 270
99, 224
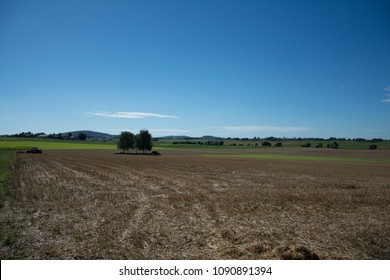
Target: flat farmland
199, 204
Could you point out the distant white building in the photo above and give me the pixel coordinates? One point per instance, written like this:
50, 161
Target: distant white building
43, 135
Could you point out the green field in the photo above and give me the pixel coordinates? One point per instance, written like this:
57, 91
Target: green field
45, 144
6, 159
250, 144
11, 143
292, 157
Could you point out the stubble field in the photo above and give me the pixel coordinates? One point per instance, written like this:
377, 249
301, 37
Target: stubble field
199, 204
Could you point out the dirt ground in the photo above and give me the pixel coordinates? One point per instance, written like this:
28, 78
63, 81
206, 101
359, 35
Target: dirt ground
183, 205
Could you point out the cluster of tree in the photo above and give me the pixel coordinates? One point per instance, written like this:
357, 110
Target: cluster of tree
60, 136
334, 145
212, 143
366, 140
139, 142
274, 139
28, 134
184, 142
81, 136
55, 136
269, 144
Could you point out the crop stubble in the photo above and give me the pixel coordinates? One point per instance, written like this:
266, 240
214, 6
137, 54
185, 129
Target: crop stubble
97, 205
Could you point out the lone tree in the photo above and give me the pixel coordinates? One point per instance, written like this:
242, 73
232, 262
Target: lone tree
144, 140
82, 136
126, 141
335, 145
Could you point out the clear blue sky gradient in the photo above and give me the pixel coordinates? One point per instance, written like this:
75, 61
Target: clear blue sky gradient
223, 68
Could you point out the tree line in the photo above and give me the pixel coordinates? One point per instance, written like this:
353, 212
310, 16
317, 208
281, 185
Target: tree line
139, 142
60, 136
208, 143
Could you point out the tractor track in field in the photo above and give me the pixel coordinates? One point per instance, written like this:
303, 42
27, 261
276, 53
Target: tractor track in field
98, 205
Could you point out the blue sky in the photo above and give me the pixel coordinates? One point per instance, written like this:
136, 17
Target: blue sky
224, 68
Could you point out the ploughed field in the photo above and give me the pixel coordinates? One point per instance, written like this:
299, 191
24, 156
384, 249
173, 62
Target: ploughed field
199, 204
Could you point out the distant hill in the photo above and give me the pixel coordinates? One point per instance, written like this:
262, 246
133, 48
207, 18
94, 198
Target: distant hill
210, 137
91, 134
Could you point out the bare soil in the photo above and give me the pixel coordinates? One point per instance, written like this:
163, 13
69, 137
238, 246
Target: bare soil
183, 205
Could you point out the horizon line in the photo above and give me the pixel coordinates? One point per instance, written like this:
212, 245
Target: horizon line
34, 135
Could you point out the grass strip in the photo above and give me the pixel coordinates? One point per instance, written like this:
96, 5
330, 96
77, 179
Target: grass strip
6, 159
309, 158
54, 145
8, 231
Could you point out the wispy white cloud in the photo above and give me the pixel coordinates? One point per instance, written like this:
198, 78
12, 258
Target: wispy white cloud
130, 115
259, 128
388, 95
347, 85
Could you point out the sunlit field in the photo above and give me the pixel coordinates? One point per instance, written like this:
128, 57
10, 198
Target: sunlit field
273, 203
